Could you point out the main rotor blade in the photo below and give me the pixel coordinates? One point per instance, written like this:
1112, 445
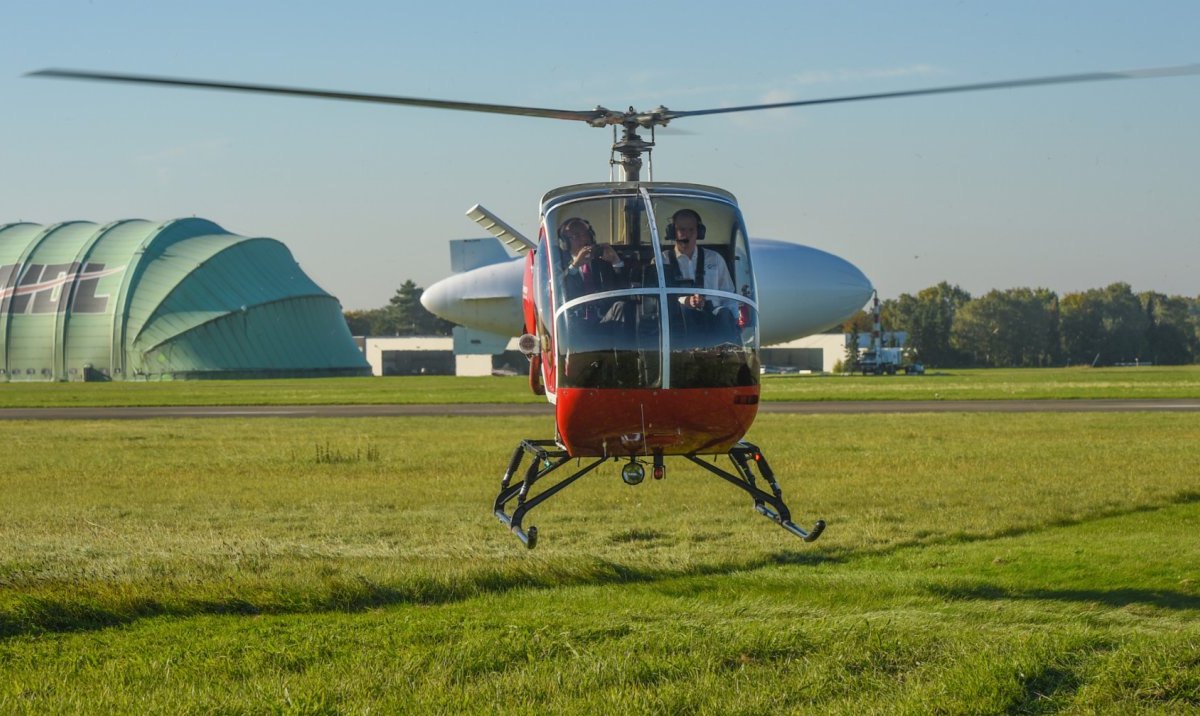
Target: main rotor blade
582, 116
1003, 84
600, 116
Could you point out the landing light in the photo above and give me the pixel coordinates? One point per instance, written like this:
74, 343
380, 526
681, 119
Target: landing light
528, 344
633, 473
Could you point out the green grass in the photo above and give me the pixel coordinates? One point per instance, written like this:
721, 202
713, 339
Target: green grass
286, 391
995, 384
975, 563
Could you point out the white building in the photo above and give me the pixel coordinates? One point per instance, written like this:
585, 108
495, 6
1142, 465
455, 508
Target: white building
440, 355
470, 353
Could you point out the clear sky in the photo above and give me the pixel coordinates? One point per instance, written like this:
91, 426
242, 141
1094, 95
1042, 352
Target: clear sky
1063, 187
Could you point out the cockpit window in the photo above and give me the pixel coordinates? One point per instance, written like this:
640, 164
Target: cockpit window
623, 268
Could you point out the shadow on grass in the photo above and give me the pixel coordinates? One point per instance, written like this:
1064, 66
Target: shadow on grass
1164, 599
1041, 691
1050, 687
1183, 498
78, 607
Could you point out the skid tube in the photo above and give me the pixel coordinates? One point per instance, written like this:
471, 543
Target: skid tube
745, 458
548, 456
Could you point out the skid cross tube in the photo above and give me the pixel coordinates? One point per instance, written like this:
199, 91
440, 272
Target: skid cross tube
745, 458
546, 457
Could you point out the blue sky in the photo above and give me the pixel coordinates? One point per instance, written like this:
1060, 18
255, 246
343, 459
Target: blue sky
1064, 187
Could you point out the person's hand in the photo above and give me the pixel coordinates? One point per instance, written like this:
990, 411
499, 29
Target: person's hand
584, 255
609, 254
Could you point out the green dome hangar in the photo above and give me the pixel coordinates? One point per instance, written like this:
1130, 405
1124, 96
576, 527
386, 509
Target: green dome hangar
184, 299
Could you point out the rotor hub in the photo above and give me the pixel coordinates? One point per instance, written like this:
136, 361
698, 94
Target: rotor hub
631, 145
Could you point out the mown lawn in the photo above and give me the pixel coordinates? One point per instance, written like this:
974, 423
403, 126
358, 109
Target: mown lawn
974, 563
1047, 383
994, 384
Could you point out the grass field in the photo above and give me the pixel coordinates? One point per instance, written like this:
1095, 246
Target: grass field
1147, 382
994, 384
974, 563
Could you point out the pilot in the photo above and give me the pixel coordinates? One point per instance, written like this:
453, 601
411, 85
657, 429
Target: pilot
690, 265
592, 267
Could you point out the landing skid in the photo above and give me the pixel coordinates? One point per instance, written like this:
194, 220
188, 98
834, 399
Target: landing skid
547, 456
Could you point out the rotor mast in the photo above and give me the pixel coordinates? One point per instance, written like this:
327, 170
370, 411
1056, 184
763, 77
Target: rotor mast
631, 145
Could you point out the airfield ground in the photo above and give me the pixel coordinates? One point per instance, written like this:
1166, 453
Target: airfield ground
1018, 384
974, 563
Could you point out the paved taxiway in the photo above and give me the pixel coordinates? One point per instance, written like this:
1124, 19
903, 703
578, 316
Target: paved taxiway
501, 409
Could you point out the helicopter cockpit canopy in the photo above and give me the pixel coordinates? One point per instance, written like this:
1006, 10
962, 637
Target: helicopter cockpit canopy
612, 272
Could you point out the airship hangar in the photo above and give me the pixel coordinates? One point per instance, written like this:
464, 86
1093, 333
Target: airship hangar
182, 299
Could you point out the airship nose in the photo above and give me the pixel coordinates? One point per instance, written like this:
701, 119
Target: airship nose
486, 298
848, 288
439, 299
803, 290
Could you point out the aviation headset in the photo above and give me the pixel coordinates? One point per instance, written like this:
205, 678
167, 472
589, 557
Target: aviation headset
686, 212
563, 241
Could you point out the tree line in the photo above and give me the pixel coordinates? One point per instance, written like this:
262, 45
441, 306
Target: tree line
948, 328
1023, 327
402, 316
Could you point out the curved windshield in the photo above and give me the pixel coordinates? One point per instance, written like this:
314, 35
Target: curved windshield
601, 251
623, 267
709, 293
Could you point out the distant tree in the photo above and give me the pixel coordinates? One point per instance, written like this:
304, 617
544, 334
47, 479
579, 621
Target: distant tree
359, 322
1080, 326
1125, 324
1108, 324
1170, 337
402, 312
1013, 328
862, 322
403, 316
850, 359
928, 318
1052, 327
1193, 321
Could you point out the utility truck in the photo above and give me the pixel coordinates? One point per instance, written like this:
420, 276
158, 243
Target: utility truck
877, 360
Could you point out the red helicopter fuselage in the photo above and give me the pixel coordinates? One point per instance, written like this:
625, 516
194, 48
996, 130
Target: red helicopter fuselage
644, 350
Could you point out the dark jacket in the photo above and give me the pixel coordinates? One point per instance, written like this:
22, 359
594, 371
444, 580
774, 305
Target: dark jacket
603, 277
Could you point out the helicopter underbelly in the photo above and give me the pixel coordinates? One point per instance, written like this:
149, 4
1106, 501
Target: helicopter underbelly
617, 422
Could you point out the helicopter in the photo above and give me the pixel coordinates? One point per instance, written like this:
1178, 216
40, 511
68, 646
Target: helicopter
657, 355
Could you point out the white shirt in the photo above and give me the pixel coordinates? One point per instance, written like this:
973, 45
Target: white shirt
716, 274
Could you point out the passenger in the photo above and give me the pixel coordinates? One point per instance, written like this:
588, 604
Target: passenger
689, 265
591, 268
